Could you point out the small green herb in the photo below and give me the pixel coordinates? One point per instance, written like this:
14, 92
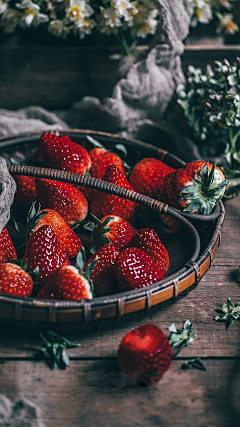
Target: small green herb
229, 313
180, 338
55, 348
196, 363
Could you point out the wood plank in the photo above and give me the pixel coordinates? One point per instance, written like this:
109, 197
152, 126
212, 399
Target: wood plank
93, 394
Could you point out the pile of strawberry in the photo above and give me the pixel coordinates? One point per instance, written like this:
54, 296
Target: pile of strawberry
55, 263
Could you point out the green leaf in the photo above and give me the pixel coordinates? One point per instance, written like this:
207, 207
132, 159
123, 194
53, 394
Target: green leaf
95, 142
180, 338
81, 259
230, 313
196, 363
55, 348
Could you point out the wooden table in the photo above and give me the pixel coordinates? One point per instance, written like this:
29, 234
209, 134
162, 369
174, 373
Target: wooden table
91, 392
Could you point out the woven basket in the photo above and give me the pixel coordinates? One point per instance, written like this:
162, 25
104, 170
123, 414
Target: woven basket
191, 251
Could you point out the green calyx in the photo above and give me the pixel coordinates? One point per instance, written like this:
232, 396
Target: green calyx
54, 350
202, 193
33, 216
99, 231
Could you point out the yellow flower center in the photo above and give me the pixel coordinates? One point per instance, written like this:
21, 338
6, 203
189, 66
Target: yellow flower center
76, 12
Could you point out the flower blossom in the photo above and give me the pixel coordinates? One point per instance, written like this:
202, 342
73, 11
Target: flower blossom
32, 15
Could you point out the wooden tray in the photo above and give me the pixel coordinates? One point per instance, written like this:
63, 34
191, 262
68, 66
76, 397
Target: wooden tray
191, 251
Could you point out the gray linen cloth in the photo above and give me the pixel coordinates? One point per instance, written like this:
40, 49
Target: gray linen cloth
22, 413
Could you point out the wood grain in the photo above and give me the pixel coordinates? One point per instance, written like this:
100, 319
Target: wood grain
92, 393
56, 77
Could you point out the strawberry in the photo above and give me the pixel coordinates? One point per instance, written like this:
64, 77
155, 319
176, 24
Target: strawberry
7, 249
136, 269
147, 176
14, 280
66, 283
61, 153
104, 204
43, 250
69, 282
26, 192
69, 241
101, 159
144, 355
148, 240
111, 229
103, 275
64, 198
196, 187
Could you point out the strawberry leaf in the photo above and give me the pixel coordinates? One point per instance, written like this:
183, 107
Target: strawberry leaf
196, 363
228, 313
180, 338
54, 351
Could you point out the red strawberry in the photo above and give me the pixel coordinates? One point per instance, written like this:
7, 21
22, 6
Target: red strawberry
103, 275
64, 198
61, 153
69, 241
7, 249
144, 355
104, 204
69, 282
14, 280
147, 176
26, 192
136, 269
101, 159
66, 283
43, 250
196, 187
111, 229
148, 240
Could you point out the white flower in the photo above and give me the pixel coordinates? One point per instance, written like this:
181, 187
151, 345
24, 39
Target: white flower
3, 6
78, 10
84, 27
146, 20
124, 9
227, 25
10, 19
58, 28
109, 22
32, 15
203, 11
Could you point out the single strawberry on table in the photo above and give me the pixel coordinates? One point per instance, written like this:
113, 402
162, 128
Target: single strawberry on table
144, 355
148, 240
103, 275
7, 249
14, 280
59, 152
195, 188
147, 176
135, 269
104, 204
69, 282
64, 198
44, 251
110, 229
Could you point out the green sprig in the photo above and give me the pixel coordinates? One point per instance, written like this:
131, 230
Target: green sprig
180, 338
54, 351
228, 313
